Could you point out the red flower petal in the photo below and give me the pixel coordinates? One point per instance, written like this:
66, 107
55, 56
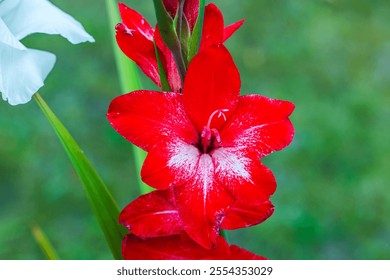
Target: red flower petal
146, 117
259, 126
181, 247
229, 30
170, 163
213, 28
152, 215
140, 50
247, 179
245, 215
135, 38
202, 204
212, 83
135, 21
213, 31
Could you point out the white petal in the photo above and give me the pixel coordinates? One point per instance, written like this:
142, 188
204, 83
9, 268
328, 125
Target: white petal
40, 16
8, 38
7, 6
22, 72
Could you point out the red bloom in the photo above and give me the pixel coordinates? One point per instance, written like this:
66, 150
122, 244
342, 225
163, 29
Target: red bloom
136, 39
205, 144
181, 247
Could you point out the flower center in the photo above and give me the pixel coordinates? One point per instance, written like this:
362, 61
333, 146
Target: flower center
210, 138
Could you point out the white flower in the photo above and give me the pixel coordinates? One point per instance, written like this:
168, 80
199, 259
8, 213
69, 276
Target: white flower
23, 70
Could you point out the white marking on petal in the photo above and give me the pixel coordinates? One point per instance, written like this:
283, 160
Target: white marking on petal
230, 163
206, 176
255, 135
154, 213
184, 159
128, 30
183, 155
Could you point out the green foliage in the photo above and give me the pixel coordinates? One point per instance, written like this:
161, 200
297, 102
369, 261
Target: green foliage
102, 203
330, 57
44, 243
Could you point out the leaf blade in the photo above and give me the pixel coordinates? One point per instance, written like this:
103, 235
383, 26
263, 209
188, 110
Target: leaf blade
101, 201
44, 243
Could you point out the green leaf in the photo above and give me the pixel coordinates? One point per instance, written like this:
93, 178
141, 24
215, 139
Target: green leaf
129, 81
103, 205
197, 32
44, 243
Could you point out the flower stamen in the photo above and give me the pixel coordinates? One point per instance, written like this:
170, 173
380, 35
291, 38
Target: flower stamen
217, 137
210, 138
220, 112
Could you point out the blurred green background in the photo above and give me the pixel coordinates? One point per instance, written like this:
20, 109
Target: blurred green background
330, 57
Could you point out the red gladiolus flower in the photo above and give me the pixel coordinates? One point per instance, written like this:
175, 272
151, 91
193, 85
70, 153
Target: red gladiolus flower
205, 144
136, 39
181, 247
